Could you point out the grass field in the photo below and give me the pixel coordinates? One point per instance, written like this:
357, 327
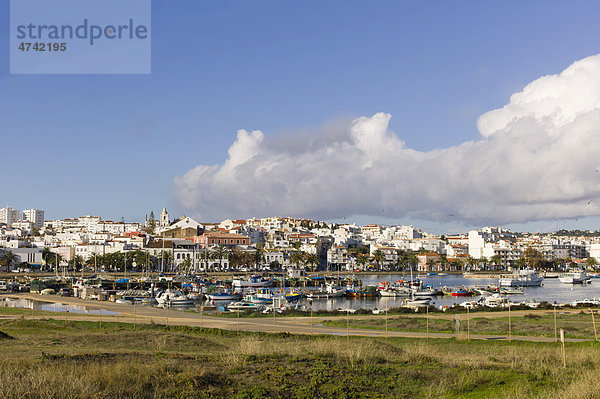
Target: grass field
53, 358
576, 324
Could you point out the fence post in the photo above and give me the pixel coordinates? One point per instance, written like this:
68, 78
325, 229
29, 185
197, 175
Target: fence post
468, 325
348, 324
594, 322
562, 340
555, 325
509, 326
427, 320
386, 323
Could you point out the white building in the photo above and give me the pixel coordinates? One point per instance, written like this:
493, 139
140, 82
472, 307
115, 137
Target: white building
9, 215
35, 216
595, 251
25, 226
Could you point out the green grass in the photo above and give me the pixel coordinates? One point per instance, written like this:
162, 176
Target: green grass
77, 359
576, 325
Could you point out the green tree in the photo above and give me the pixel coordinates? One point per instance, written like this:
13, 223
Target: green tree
379, 257
313, 261
483, 261
46, 255
591, 262
297, 258
219, 253
431, 263
412, 260
166, 258
258, 257
151, 227
496, 260
7, 259
533, 258
471, 262
443, 261
77, 262
362, 260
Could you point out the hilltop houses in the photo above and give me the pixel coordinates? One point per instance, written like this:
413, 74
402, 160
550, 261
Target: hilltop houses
274, 242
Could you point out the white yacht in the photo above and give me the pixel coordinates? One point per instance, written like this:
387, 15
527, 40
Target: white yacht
522, 278
574, 278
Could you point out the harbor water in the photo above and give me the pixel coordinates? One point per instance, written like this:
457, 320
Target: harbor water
53, 307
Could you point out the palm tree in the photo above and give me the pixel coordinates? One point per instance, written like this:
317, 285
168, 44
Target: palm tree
312, 260
258, 257
483, 261
471, 262
412, 260
443, 261
496, 260
379, 257
591, 262
77, 261
46, 255
7, 259
297, 258
205, 256
219, 252
431, 264
362, 260
166, 257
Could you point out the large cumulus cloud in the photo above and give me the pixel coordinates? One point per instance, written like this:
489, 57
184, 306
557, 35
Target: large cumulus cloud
538, 159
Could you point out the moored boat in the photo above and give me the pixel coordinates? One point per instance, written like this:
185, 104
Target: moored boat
252, 282
574, 278
512, 290
223, 296
330, 291
462, 292
242, 305
523, 278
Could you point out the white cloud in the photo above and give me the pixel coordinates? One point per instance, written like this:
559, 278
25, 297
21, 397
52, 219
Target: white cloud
537, 160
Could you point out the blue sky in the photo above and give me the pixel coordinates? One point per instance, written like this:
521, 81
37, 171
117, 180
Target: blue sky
111, 145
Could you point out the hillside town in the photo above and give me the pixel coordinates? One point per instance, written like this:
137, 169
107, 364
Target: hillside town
28, 242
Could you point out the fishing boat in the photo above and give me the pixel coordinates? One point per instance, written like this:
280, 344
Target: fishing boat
462, 292
293, 296
223, 296
523, 278
370, 291
574, 278
329, 292
417, 301
235, 306
255, 298
174, 298
470, 304
393, 290
425, 292
512, 290
252, 282
494, 301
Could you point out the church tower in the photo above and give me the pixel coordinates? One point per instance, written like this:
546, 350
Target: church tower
164, 218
